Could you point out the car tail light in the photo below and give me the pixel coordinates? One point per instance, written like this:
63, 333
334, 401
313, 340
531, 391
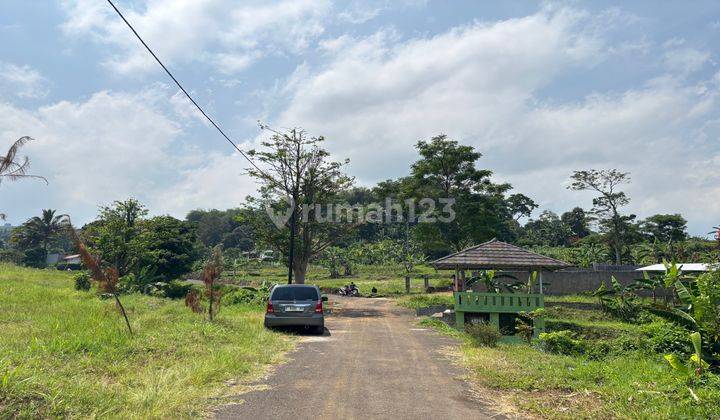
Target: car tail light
269, 308
318, 307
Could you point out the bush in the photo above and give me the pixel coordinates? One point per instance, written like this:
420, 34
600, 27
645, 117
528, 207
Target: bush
483, 334
597, 350
561, 342
665, 337
175, 289
82, 281
245, 296
627, 310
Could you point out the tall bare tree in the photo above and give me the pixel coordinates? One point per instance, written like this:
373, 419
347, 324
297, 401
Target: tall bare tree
299, 171
606, 207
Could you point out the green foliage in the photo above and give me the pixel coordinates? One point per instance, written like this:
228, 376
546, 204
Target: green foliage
230, 227
175, 289
665, 337
483, 334
167, 247
124, 238
666, 227
82, 281
561, 342
619, 301
546, 230
695, 366
578, 222
38, 236
247, 296
701, 310
525, 321
447, 169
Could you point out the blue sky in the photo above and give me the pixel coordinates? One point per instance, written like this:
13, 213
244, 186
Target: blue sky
541, 89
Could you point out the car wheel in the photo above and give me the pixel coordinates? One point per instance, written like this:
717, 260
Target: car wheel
320, 329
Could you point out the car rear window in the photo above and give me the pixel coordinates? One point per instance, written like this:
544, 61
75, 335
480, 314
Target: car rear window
295, 293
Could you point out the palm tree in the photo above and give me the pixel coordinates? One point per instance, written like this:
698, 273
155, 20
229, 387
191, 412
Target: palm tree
13, 168
41, 231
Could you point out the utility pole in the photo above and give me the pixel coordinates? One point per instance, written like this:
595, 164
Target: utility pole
293, 216
291, 253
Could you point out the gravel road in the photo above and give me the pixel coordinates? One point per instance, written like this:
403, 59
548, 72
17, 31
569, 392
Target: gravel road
373, 362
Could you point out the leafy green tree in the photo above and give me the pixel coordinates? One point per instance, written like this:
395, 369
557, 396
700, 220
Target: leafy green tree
547, 230
227, 227
521, 205
617, 228
666, 227
445, 170
167, 246
114, 235
578, 222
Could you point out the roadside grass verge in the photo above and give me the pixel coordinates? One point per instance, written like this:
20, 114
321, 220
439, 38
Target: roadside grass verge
65, 353
424, 300
620, 384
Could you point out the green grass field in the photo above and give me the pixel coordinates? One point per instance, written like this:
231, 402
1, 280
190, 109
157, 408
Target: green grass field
630, 383
65, 353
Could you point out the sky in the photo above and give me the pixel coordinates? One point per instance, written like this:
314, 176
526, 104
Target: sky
539, 88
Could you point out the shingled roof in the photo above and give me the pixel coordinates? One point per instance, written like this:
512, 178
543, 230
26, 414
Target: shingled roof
495, 254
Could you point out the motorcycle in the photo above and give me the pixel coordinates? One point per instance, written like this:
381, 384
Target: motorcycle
349, 291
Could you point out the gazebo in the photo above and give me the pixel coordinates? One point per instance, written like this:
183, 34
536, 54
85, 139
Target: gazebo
498, 309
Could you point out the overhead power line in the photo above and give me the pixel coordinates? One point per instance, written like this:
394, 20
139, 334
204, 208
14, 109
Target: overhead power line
217, 127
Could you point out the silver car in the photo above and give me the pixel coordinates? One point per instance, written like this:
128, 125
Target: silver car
296, 305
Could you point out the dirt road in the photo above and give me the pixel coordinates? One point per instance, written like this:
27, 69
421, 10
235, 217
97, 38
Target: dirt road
373, 362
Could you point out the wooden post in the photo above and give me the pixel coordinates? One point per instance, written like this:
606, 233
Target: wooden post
462, 280
460, 320
407, 284
426, 281
541, 281
495, 320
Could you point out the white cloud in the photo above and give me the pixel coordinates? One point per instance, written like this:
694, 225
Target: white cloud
109, 147
686, 60
22, 81
381, 94
481, 85
224, 33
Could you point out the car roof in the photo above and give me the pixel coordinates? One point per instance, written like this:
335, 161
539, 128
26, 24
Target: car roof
296, 285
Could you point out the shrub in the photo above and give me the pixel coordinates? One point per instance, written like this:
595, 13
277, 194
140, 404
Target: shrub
483, 334
175, 289
597, 350
561, 342
82, 281
665, 337
247, 295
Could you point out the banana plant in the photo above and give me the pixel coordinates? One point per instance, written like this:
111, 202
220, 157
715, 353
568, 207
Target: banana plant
651, 283
695, 366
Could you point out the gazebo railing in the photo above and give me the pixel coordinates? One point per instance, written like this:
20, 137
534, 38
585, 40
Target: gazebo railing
495, 305
498, 302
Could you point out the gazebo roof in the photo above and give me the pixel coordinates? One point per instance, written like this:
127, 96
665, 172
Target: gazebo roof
495, 254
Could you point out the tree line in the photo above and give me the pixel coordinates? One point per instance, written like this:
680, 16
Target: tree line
297, 169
